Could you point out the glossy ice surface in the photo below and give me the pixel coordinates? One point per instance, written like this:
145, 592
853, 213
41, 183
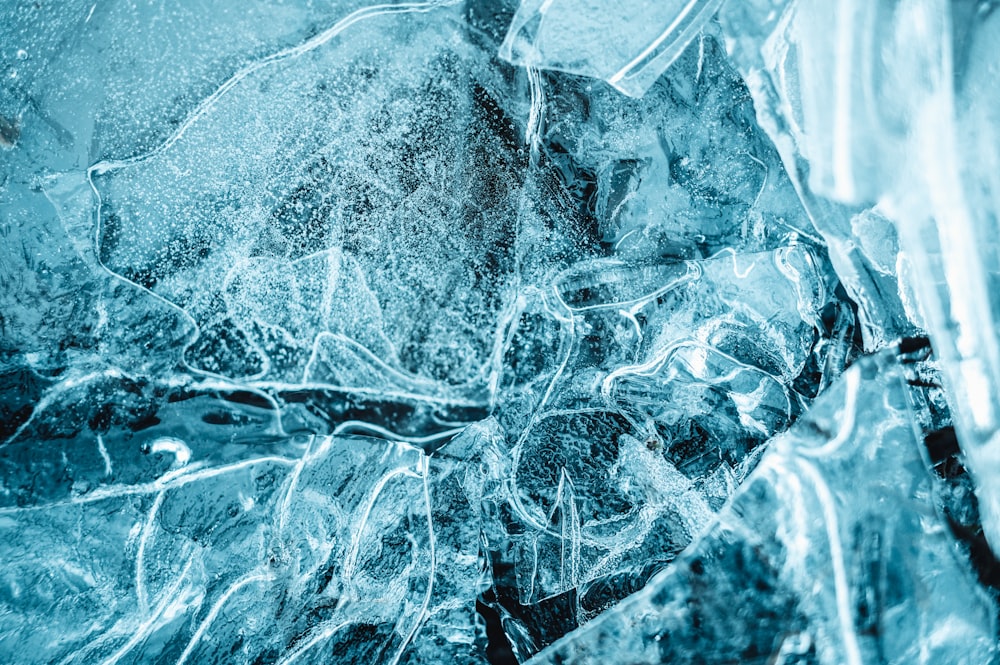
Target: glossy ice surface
485, 331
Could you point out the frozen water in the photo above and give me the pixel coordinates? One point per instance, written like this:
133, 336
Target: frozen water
639, 439
746, 591
683, 172
295, 242
628, 44
833, 120
392, 333
884, 102
351, 549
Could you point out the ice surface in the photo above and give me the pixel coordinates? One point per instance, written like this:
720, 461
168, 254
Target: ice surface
892, 589
393, 333
304, 231
627, 44
948, 232
357, 550
639, 439
683, 172
903, 123
138, 68
837, 123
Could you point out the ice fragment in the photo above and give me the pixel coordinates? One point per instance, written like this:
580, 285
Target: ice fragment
627, 44
812, 560
351, 549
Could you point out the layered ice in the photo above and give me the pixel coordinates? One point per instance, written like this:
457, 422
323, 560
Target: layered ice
296, 242
902, 126
350, 549
488, 331
638, 440
814, 561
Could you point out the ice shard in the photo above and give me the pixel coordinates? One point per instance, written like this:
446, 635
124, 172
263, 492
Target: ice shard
628, 44
948, 228
345, 548
634, 445
904, 125
278, 241
813, 561
831, 87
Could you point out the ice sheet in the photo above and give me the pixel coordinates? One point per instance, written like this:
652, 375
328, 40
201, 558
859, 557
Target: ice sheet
345, 548
813, 560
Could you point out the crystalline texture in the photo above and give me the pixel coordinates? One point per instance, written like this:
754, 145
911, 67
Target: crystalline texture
949, 230
628, 44
816, 72
893, 589
904, 122
296, 244
328, 335
637, 442
351, 549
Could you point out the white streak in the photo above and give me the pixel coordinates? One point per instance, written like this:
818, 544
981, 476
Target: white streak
140, 574
847, 420
104, 455
841, 589
215, 612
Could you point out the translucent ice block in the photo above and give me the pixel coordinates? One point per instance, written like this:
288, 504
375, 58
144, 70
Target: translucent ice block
947, 205
343, 549
895, 101
833, 85
836, 83
816, 559
323, 215
628, 44
670, 376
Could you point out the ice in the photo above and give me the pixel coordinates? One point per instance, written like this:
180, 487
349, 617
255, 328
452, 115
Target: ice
836, 121
354, 549
947, 231
683, 172
746, 591
903, 124
305, 231
394, 333
841, 81
628, 44
639, 439
154, 64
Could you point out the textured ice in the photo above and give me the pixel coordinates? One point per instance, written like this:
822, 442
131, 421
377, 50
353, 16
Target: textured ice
295, 243
636, 443
628, 44
336, 332
833, 120
885, 103
812, 561
355, 550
